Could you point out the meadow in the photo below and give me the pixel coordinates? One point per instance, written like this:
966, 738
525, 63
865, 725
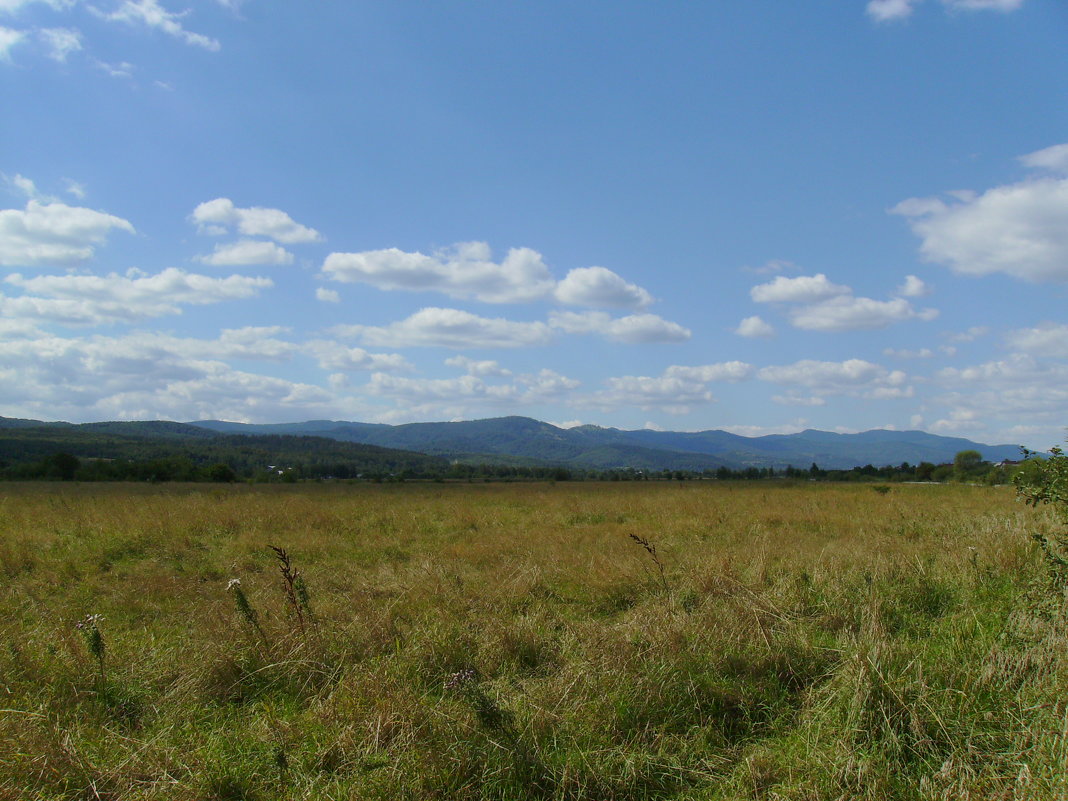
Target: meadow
669, 640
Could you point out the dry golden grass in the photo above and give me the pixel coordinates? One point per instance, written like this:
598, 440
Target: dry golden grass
807, 641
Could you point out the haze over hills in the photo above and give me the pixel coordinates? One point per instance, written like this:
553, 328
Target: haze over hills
524, 440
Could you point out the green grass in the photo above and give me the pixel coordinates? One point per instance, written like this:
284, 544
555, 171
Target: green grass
805, 641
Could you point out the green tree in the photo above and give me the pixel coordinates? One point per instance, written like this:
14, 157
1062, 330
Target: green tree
222, 473
967, 463
65, 465
1045, 481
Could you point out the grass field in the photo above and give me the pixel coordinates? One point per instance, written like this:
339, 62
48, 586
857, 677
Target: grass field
514, 641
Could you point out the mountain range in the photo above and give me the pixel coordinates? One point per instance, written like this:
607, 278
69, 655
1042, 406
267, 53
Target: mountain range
522, 440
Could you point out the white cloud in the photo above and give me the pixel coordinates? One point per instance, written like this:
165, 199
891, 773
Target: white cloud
832, 307
428, 394
599, 287
1006, 391
913, 288
96, 300
335, 356
721, 371
1019, 229
762, 431
675, 391
327, 295
922, 353
61, 42
24, 185
885, 10
13, 6
256, 343
853, 377
247, 252
670, 395
888, 10
803, 289
151, 14
467, 270
846, 313
1046, 339
566, 424
450, 328
1051, 158
124, 69
8, 39
486, 367
792, 399
463, 271
632, 329
53, 233
754, 327
150, 376
216, 216
76, 189
773, 267
971, 334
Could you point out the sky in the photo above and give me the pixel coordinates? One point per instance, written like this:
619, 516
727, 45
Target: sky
759, 216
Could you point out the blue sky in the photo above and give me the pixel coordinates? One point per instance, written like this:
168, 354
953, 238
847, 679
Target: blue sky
757, 216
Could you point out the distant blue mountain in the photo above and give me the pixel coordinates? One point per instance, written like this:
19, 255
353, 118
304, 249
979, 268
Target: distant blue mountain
522, 440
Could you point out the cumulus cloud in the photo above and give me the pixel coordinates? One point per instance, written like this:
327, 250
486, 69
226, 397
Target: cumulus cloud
327, 295
53, 233
1046, 339
152, 15
675, 391
1017, 387
150, 376
720, 371
484, 367
830, 307
913, 288
853, 377
1018, 229
219, 215
632, 329
1053, 158
754, 327
450, 328
803, 289
825, 306
464, 271
247, 252
471, 391
96, 300
853, 314
599, 287
335, 356
255, 343
467, 270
